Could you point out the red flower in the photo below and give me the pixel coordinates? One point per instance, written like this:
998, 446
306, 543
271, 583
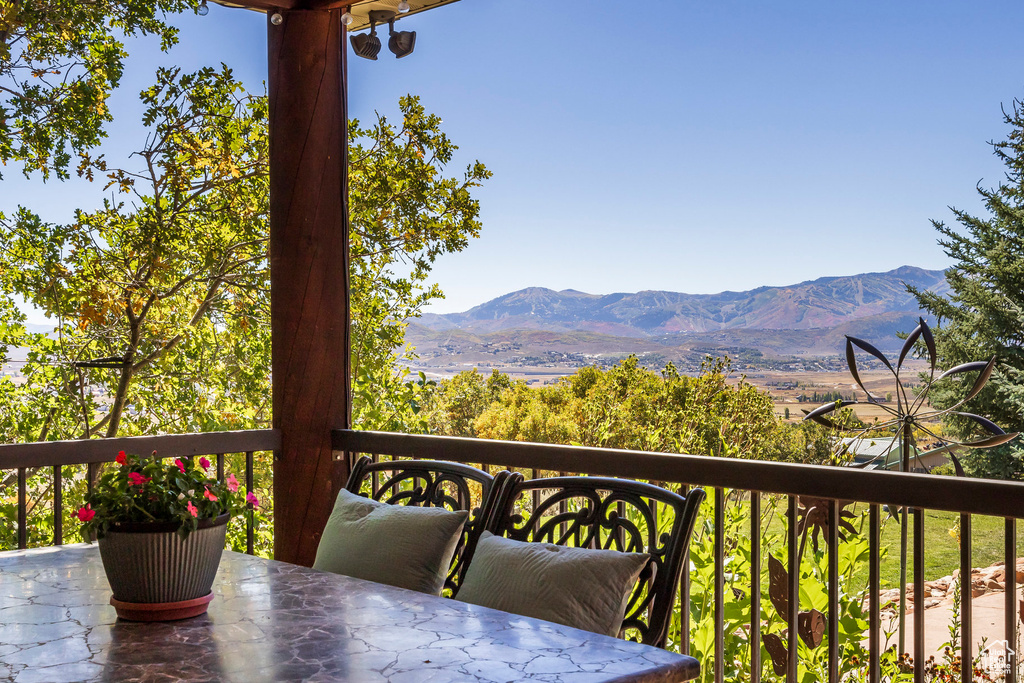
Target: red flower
209, 495
192, 509
252, 499
180, 464
204, 463
137, 479
121, 458
86, 514
232, 483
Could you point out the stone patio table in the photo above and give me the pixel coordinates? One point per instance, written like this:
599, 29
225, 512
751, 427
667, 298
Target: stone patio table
272, 621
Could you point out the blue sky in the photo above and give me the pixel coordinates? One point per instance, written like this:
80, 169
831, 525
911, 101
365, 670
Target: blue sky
700, 147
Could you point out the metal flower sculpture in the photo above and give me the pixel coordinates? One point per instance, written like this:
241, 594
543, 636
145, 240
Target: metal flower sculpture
813, 516
913, 413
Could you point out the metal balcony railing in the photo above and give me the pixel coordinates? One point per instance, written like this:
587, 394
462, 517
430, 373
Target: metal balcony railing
758, 480
54, 455
919, 492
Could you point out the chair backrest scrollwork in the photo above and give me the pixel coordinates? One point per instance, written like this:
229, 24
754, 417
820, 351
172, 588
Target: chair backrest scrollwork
607, 513
428, 483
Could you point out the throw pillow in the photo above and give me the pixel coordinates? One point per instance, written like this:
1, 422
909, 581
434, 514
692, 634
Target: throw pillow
405, 546
580, 587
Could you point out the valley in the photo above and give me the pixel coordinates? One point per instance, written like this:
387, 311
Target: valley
789, 341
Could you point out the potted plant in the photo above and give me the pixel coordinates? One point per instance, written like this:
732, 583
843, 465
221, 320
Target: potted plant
161, 530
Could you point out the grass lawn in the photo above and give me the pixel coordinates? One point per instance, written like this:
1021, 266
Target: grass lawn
941, 551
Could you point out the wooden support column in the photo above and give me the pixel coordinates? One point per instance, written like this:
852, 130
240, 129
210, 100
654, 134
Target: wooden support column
308, 269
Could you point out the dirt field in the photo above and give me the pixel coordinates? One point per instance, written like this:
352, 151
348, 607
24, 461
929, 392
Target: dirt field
787, 387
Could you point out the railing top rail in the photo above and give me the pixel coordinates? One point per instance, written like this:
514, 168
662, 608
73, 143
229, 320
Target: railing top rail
973, 496
46, 453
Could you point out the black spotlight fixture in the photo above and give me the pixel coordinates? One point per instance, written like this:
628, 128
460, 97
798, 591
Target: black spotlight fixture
367, 45
401, 42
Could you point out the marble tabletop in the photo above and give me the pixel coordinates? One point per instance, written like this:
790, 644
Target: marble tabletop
272, 621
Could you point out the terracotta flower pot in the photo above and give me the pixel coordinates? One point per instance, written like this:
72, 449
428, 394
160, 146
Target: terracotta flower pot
156, 576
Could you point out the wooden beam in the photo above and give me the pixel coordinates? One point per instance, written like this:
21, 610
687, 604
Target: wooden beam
359, 8
309, 269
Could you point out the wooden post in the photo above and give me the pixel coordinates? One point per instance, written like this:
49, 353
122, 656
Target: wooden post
308, 267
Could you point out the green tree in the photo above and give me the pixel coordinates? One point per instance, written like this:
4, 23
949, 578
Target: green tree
451, 407
629, 407
983, 314
59, 62
167, 285
167, 281
404, 213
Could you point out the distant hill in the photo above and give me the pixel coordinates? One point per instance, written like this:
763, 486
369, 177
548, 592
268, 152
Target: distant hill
821, 304
802, 326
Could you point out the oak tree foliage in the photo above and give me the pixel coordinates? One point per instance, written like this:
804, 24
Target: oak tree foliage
59, 62
630, 407
168, 283
160, 299
404, 213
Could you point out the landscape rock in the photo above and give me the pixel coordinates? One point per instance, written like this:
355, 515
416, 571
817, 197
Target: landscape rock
983, 580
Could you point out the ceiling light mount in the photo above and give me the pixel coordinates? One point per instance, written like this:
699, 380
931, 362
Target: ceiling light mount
380, 16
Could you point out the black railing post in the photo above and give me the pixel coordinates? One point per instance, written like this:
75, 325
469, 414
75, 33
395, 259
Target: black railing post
966, 585
1010, 594
833, 591
249, 525
58, 505
793, 618
755, 587
919, 596
719, 585
22, 509
874, 597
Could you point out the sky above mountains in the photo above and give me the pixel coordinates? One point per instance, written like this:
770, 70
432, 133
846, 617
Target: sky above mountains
697, 148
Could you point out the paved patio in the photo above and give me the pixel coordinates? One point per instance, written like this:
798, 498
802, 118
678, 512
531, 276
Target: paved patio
986, 625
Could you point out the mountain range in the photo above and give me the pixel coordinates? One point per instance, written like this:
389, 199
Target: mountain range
805, 319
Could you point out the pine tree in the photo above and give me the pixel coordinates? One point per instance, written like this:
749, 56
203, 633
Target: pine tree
983, 315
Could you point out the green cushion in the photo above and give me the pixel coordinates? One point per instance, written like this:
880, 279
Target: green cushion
405, 546
579, 587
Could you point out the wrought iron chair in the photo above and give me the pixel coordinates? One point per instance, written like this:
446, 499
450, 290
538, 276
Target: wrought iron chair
607, 513
430, 483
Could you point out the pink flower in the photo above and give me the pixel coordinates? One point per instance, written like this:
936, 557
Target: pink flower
121, 459
137, 479
86, 514
232, 483
192, 509
180, 464
252, 499
204, 463
209, 495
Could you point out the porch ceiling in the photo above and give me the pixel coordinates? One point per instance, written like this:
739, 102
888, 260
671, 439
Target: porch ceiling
360, 9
